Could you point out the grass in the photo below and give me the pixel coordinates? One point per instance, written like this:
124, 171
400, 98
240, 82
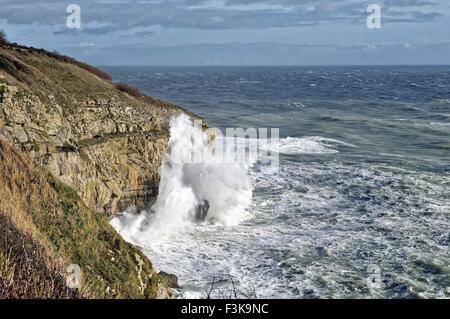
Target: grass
131, 90
25, 268
50, 219
49, 73
97, 72
12, 66
60, 57
69, 81
111, 136
46, 74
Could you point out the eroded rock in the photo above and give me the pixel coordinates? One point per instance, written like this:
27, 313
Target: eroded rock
109, 152
169, 280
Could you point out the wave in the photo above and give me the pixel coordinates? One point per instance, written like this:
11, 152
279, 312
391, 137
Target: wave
297, 104
439, 124
189, 191
305, 145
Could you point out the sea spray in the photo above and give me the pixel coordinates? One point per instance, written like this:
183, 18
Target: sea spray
323, 216
193, 175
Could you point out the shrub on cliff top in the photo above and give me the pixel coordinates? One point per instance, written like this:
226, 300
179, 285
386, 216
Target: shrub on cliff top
101, 74
3, 38
123, 87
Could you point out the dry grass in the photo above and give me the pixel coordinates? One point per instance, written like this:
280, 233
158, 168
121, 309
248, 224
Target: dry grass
131, 90
49, 213
50, 74
44, 74
63, 58
26, 266
60, 57
53, 229
26, 271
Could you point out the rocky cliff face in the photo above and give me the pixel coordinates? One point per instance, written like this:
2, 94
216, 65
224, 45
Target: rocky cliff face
45, 228
104, 143
74, 147
109, 152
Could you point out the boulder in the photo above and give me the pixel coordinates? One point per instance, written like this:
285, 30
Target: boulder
169, 280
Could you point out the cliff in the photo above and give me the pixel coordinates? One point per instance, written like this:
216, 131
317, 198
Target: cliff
103, 142
74, 148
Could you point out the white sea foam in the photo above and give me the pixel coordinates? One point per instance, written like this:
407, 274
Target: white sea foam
297, 104
185, 186
315, 224
304, 145
227, 187
439, 124
297, 227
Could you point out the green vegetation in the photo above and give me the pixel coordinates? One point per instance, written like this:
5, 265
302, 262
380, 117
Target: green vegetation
53, 74
44, 224
3, 88
60, 230
106, 137
25, 268
3, 38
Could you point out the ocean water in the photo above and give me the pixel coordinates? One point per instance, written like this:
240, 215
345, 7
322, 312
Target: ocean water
360, 204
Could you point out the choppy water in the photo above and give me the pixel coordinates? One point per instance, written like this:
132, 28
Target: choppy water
363, 185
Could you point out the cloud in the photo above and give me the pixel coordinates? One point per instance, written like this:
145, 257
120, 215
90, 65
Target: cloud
101, 17
139, 34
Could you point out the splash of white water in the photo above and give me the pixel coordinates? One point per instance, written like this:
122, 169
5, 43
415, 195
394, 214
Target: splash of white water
185, 186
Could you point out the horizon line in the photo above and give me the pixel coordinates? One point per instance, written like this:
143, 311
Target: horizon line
272, 65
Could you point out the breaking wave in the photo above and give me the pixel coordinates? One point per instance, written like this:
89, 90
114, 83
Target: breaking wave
304, 145
207, 191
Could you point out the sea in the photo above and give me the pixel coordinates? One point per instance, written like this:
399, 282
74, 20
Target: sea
358, 206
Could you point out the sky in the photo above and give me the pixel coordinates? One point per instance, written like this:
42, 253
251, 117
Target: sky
234, 32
